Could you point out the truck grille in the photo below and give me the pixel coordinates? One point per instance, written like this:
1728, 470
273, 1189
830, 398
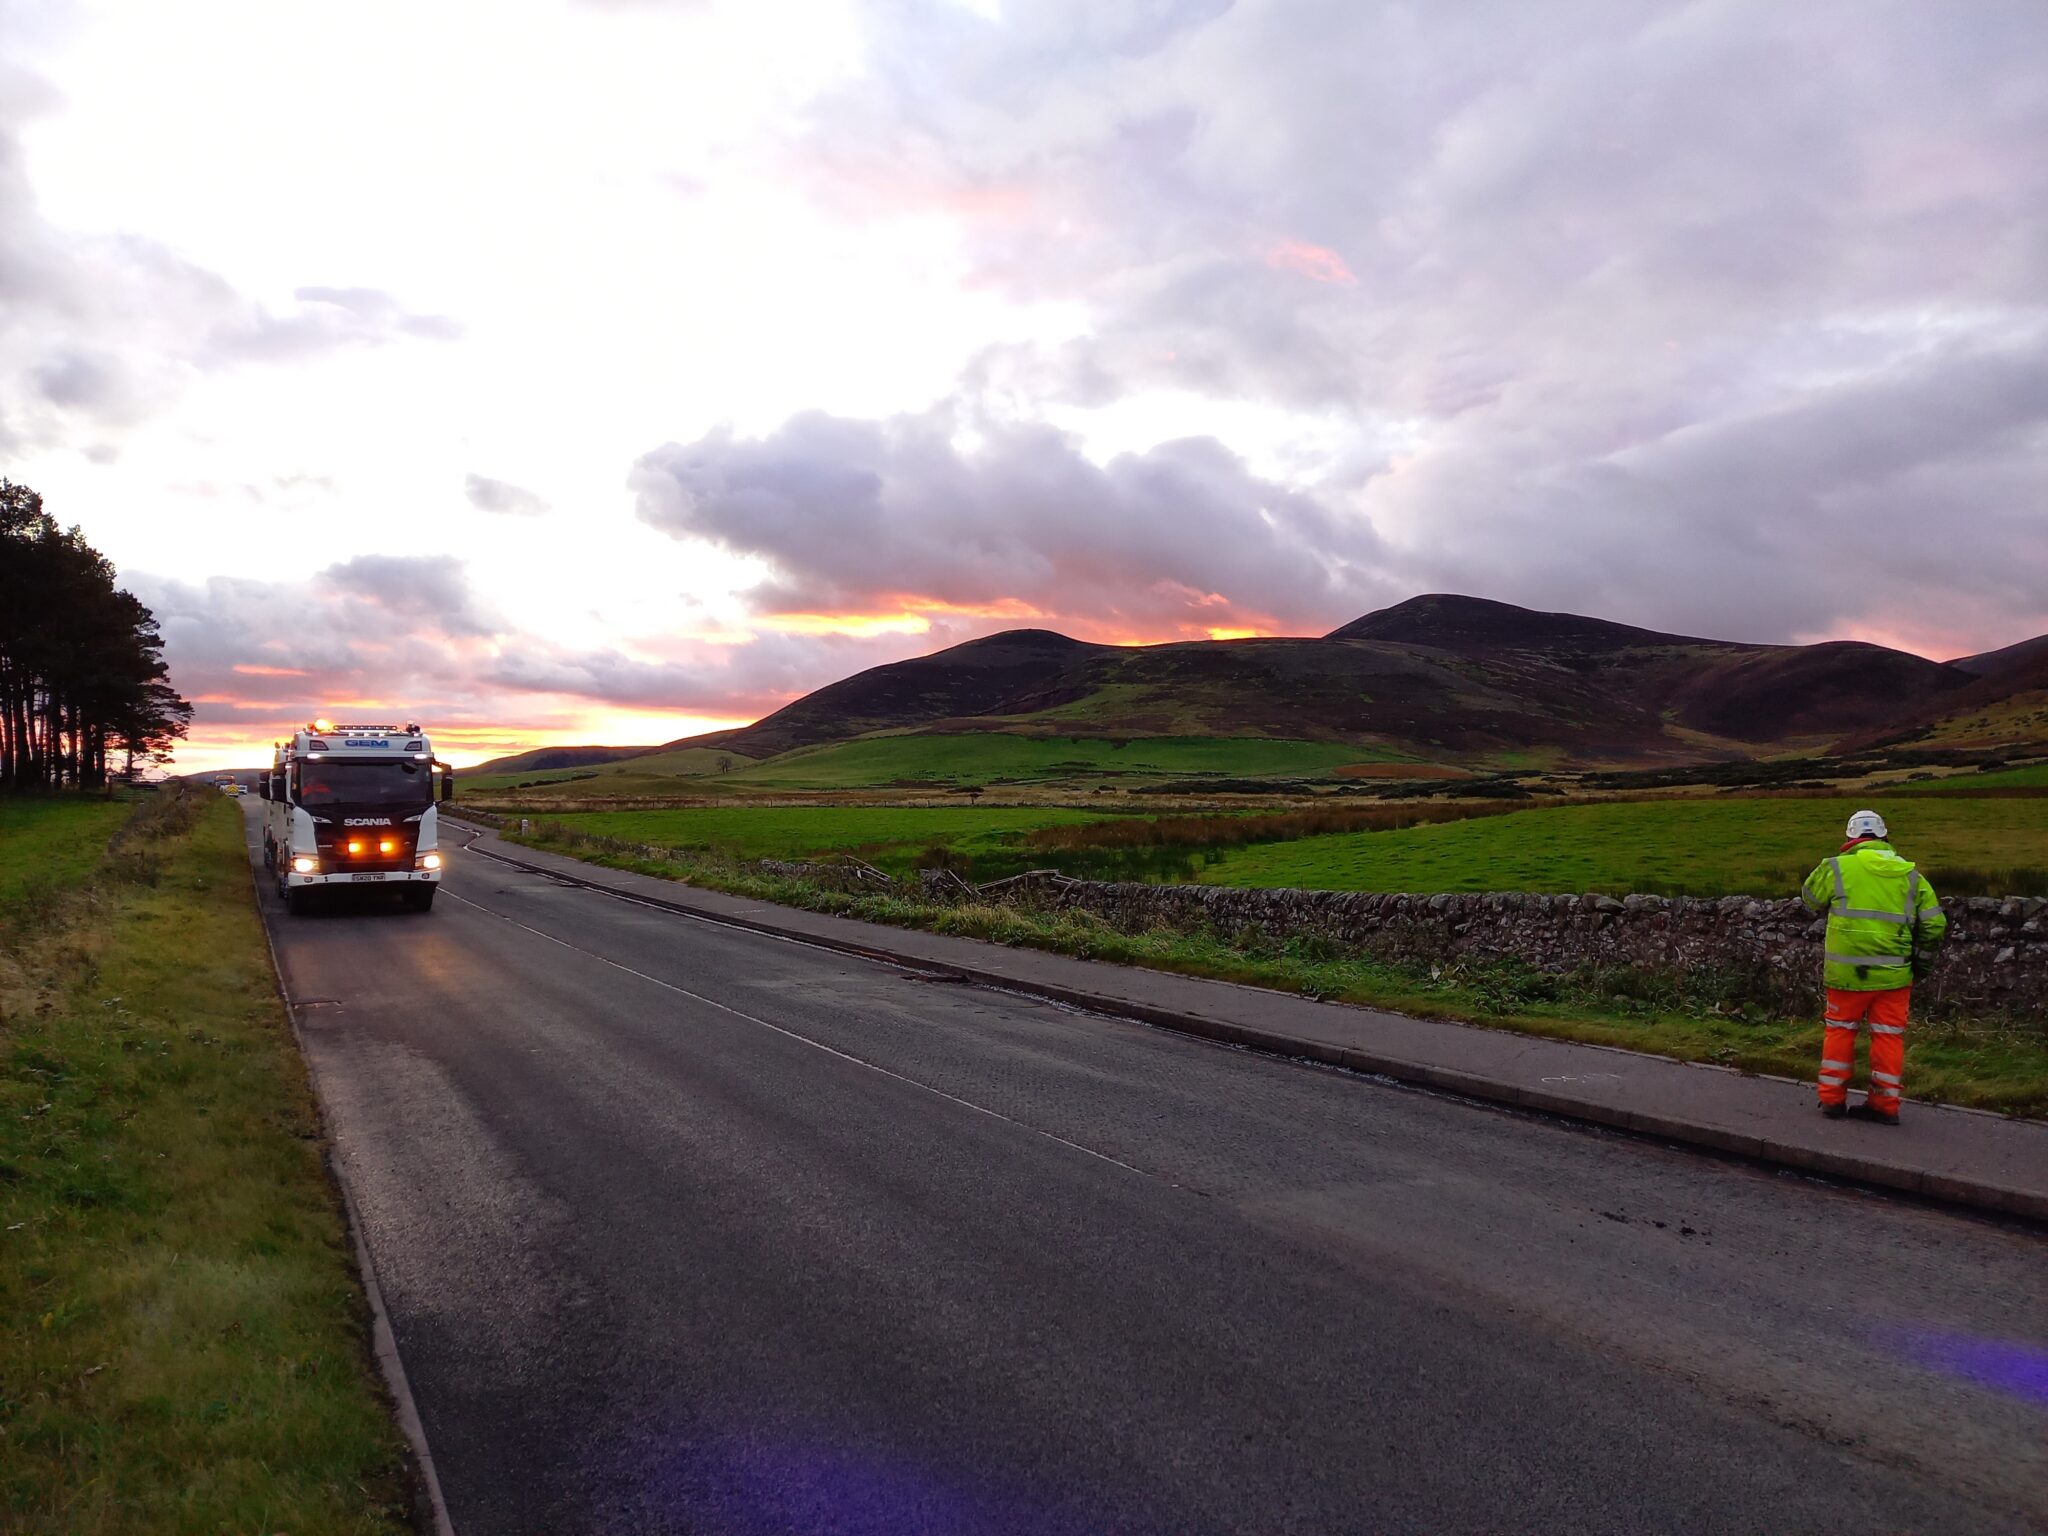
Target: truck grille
365, 848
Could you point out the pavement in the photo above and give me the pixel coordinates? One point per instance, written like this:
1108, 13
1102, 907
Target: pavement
1990, 1162
683, 1227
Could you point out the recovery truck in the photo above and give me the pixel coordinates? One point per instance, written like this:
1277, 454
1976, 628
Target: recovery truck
354, 805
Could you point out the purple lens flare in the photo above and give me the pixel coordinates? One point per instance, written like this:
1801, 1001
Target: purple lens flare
2005, 1365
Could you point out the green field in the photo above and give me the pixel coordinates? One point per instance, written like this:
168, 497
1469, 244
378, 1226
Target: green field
51, 841
989, 757
1700, 847
886, 835
2033, 776
654, 773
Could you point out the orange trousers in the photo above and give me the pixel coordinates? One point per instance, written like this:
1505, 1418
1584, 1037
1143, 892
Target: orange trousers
1885, 1013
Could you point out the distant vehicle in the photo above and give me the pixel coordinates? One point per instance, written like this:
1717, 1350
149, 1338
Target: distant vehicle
354, 805
230, 786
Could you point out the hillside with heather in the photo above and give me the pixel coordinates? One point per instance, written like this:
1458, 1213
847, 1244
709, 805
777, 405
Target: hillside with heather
1440, 685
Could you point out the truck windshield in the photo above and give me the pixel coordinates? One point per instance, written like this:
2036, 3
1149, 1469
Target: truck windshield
365, 784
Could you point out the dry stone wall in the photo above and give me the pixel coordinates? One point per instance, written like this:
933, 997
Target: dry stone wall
1996, 957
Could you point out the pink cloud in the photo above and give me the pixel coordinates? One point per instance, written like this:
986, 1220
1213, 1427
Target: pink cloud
1317, 263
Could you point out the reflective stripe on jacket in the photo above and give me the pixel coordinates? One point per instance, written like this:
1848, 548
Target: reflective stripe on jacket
1880, 909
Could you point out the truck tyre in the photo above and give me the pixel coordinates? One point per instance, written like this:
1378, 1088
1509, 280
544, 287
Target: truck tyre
298, 900
420, 898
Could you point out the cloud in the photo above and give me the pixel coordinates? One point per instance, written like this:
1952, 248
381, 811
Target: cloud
326, 320
860, 514
429, 590
1313, 262
1905, 504
402, 634
490, 495
1568, 275
101, 331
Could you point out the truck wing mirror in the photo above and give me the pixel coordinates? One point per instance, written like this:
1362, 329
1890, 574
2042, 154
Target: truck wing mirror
447, 781
263, 787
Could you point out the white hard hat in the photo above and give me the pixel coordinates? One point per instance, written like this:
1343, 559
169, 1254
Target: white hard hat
1867, 824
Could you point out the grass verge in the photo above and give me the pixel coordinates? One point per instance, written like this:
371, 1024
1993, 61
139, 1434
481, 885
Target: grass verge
50, 842
185, 1336
1733, 1019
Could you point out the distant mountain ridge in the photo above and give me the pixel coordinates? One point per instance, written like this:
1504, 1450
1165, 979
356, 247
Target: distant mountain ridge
1439, 677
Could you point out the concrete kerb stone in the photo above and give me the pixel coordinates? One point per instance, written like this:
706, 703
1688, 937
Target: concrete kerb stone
1841, 1164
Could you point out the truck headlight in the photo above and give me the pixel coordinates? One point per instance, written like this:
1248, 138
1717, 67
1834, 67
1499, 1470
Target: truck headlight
427, 861
302, 865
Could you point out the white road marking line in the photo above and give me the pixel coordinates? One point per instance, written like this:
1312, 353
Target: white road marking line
830, 1050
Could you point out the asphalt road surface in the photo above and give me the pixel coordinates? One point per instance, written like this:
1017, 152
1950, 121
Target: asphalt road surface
686, 1229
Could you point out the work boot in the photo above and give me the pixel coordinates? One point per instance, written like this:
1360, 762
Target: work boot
1835, 1111
1879, 1116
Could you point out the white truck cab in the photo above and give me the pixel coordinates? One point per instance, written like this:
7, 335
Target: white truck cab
354, 805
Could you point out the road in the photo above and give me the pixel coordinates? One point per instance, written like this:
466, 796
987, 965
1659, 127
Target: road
687, 1229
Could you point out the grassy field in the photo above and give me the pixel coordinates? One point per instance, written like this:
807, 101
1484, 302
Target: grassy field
184, 1334
49, 842
987, 757
655, 773
1692, 846
890, 836
2033, 776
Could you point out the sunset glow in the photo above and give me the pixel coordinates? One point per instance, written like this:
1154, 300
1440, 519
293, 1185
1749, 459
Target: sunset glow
1310, 261
846, 623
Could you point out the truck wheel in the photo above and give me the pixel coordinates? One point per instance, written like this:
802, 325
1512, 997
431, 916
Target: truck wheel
420, 898
298, 900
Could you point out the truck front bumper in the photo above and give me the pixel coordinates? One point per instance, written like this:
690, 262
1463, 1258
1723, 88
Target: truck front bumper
293, 880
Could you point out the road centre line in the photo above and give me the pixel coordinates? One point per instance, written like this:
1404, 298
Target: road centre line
830, 1050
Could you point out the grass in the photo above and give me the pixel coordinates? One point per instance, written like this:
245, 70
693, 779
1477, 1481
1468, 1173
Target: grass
654, 773
989, 757
2033, 776
48, 842
889, 836
185, 1338
1729, 1019
1692, 846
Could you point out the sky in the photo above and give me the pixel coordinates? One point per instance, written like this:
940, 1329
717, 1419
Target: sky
612, 370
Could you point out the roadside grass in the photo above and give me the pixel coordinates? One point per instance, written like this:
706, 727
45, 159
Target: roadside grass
1733, 846
1733, 1019
49, 842
989, 757
185, 1338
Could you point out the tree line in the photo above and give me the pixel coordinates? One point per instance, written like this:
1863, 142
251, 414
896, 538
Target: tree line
82, 678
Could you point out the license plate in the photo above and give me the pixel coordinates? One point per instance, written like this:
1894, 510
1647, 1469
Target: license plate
367, 877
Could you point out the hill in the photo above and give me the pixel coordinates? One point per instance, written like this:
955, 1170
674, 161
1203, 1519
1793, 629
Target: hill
974, 678
547, 759
2029, 656
1438, 680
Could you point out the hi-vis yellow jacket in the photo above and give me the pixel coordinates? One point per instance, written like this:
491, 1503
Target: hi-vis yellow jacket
1881, 912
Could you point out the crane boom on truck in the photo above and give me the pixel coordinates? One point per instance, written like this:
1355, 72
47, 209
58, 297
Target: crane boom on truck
354, 805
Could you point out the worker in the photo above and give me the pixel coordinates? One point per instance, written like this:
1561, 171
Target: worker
1884, 925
